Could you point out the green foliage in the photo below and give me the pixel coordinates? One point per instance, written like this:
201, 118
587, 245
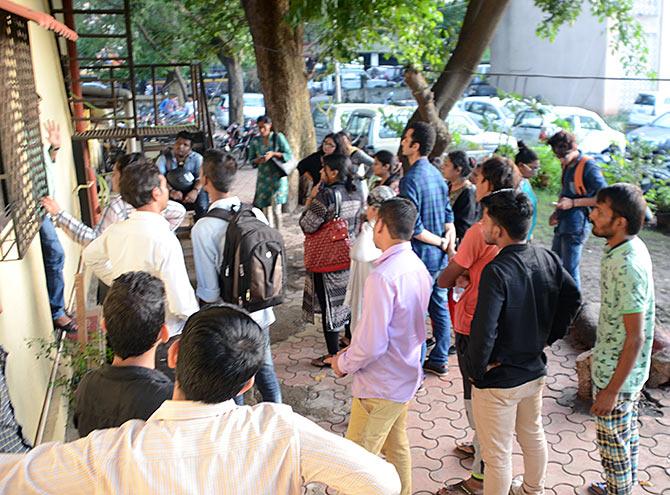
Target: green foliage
79, 359
634, 165
507, 151
341, 28
628, 40
659, 198
549, 175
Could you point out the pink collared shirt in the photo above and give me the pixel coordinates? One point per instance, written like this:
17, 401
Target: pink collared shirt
385, 352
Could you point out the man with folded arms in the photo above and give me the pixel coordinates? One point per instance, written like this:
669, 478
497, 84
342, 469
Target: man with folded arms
385, 352
200, 442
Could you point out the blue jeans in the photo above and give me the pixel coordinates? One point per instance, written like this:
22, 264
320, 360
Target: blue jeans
569, 248
438, 310
54, 259
266, 378
199, 206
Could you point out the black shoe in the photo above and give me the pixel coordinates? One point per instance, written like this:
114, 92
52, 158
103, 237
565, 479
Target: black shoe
430, 342
435, 369
452, 350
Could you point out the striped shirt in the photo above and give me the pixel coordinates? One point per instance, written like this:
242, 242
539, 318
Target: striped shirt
116, 211
190, 447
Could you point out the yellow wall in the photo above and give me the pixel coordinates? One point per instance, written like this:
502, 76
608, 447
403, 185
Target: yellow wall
23, 294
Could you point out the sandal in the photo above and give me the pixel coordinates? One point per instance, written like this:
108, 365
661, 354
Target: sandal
598, 488
465, 448
320, 361
459, 488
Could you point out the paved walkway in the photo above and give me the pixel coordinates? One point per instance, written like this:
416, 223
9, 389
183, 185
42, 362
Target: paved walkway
437, 417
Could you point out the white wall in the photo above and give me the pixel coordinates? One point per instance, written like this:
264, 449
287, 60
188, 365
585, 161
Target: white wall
23, 295
577, 51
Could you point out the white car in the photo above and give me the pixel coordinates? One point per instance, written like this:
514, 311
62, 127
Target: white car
648, 106
490, 113
378, 127
593, 134
332, 117
254, 107
472, 136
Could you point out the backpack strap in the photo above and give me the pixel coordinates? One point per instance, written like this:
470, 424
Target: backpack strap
580, 187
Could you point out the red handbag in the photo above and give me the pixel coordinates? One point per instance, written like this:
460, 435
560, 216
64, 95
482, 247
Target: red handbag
327, 249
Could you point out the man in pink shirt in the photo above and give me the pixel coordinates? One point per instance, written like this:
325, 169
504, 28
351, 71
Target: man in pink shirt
494, 174
385, 352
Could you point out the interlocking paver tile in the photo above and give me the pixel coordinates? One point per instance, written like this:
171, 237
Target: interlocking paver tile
421, 460
659, 480
580, 462
556, 475
570, 441
418, 439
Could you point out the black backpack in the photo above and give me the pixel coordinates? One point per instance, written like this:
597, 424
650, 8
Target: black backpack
253, 266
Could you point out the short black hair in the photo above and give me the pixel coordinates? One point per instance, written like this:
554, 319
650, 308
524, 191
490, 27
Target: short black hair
138, 181
627, 201
221, 348
399, 216
389, 160
511, 210
500, 172
134, 312
127, 159
462, 162
424, 134
185, 135
562, 143
264, 119
220, 168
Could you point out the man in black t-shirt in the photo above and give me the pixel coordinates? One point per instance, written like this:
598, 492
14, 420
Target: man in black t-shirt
130, 387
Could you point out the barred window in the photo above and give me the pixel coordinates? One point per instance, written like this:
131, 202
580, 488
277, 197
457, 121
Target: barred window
22, 168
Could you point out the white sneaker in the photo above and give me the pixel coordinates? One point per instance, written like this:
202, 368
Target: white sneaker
516, 487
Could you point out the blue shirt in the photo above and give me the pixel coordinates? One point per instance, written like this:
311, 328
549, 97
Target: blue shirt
192, 163
573, 221
425, 187
527, 189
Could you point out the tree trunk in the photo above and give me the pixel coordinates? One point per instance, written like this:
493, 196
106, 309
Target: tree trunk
479, 26
281, 69
235, 86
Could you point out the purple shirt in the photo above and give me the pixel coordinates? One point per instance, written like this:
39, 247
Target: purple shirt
385, 352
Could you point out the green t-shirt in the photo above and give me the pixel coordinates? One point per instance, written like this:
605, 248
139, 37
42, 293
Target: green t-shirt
626, 287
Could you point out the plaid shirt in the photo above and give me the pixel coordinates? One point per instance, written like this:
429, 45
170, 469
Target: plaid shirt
116, 211
426, 188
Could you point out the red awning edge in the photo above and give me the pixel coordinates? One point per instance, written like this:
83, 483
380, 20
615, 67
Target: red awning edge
41, 18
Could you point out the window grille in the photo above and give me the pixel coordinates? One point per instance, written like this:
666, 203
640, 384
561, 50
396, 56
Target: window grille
22, 168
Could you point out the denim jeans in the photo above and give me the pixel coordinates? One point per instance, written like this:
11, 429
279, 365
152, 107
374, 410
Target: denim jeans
54, 259
266, 378
200, 206
438, 310
569, 248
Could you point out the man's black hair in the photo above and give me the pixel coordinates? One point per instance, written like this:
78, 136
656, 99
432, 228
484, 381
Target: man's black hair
219, 168
626, 201
562, 143
185, 135
221, 348
127, 159
399, 216
134, 312
138, 181
424, 134
511, 210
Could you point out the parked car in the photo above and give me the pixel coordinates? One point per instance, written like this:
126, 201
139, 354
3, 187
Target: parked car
490, 113
657, 133
254, 107
648, 106
378, 127
332, 117
472, 136
593, 134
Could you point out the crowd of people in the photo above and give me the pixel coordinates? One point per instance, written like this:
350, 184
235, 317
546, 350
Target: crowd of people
451, 241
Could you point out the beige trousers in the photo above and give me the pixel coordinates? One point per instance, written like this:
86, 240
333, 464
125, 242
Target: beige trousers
380, 425
499, 412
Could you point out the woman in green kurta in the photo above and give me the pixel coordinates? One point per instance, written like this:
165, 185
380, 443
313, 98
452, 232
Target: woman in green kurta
271, 183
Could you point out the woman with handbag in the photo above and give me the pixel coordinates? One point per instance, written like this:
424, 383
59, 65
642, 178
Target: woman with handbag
330, 222
266, 150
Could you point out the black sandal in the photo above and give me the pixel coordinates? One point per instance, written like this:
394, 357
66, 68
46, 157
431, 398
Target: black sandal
320, 362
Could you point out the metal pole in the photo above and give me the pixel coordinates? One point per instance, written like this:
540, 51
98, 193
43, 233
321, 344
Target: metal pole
338, 84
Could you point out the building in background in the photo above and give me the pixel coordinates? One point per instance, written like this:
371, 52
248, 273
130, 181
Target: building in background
583, 49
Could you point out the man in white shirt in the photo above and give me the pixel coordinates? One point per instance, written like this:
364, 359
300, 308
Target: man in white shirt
144, 242
200, 442
208, 237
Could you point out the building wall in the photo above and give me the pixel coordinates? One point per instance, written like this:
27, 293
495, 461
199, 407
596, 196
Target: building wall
23, 295
578, 50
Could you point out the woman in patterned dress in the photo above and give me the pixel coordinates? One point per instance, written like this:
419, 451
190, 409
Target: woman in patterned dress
271, 183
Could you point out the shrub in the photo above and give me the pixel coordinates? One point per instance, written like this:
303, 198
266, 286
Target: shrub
549, 175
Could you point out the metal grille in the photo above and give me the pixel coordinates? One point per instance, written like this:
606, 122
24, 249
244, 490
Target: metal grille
22, 169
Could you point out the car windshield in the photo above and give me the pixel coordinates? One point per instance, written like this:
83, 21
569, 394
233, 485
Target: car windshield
663, 121
645, 99
393, 124
254, 101
509, 114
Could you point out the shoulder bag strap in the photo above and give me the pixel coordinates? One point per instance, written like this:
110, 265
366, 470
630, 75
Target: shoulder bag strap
338, 203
